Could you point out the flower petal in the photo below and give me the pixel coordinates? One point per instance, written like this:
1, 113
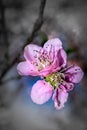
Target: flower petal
74, 74
26, 68
68, 86
60, 97
31, 52
62, 58
41, 92
55, 43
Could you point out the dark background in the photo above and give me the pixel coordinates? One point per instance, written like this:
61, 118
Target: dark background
24, 21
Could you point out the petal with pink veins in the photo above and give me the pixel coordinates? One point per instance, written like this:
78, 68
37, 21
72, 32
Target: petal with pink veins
55, 43
60, 97
41, 92
74, 74
32, 52
26, 68
68, 86
62, 58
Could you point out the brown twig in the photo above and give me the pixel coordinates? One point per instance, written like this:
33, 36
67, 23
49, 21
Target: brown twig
36, 28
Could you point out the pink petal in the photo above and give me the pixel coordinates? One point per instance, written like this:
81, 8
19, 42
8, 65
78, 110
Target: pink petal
62, 58
68, 86
26, 68
74, 74
60, 97
31, 52
55, 43
49, 69
41, 92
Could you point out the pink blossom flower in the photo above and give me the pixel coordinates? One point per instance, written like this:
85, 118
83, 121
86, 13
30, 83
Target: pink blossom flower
49, 63
59, 83
43, 61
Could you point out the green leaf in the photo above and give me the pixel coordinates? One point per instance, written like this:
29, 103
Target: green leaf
43, 37
70, 50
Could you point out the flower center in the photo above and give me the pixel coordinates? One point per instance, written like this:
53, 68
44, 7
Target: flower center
42, 60
55, 79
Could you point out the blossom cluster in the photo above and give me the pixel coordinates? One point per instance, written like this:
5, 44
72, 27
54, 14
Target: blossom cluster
50, 63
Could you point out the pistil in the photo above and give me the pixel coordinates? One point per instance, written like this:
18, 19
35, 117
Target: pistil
55, 79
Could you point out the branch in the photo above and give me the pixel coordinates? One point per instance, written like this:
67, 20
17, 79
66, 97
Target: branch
3, 25
36, 28
38, 23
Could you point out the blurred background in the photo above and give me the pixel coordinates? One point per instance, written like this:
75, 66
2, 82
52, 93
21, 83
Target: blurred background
26, 21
